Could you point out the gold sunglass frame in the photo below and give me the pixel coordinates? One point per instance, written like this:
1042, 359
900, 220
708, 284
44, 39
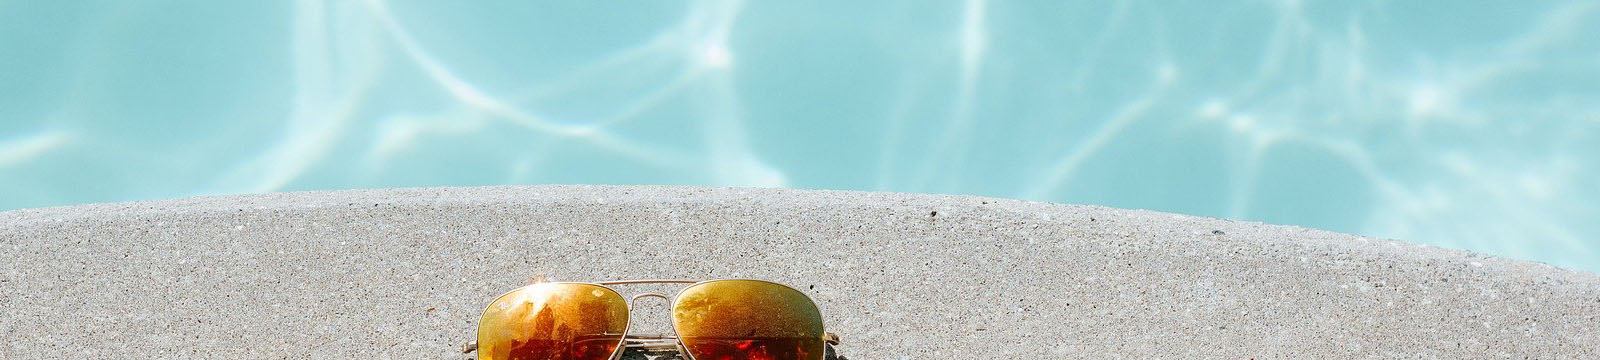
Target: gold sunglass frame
652, 343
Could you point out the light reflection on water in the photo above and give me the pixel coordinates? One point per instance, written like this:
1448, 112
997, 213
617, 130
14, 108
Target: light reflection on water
1461, 124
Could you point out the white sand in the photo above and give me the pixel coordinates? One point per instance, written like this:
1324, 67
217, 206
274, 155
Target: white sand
353, 273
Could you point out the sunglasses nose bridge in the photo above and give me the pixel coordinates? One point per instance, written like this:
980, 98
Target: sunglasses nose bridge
646, 295
633, 304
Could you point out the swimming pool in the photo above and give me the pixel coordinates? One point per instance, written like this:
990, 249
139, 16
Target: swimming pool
1461, 124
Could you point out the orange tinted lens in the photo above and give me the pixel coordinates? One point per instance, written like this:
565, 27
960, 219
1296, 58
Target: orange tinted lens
553, 321
748, 319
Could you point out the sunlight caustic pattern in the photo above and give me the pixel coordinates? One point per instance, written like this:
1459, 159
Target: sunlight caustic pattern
1473, 126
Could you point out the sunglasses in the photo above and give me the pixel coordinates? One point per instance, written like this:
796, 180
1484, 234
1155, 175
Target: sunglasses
727, 319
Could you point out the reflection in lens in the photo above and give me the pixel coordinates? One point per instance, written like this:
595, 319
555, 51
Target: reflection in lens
553, 321
748, 319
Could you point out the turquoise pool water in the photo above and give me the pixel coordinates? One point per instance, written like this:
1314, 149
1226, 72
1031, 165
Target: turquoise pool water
1465, 124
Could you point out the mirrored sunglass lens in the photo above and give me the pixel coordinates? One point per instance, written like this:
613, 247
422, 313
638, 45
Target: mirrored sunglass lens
553, 321
748, 319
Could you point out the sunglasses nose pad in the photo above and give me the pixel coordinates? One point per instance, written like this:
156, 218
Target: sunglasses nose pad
650, 320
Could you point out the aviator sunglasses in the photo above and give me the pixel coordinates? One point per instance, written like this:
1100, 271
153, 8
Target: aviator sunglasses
727, 319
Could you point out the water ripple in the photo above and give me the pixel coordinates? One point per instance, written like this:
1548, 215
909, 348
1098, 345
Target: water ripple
1473, 126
